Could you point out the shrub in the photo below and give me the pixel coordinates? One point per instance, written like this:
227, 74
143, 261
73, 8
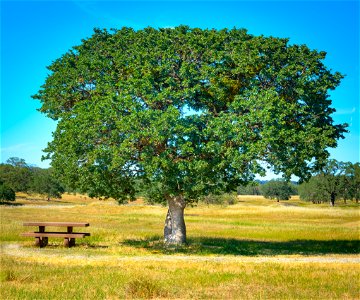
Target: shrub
6, 193
223, 199
253, 188
277, 189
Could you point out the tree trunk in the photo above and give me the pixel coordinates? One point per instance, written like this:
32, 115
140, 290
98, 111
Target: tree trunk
167, 227
332, 199
175, 229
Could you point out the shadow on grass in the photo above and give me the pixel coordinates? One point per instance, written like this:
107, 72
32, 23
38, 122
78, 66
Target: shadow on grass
221, 246
8, 203
51, 201
60, 245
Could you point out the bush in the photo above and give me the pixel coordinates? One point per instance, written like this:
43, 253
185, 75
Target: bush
277, 189
252, 188
6, 193
45, 183
17, 177
223, 199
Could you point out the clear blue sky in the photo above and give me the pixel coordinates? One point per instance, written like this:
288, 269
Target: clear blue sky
34, 33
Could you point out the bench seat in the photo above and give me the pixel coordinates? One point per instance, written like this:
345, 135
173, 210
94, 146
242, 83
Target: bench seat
57, 234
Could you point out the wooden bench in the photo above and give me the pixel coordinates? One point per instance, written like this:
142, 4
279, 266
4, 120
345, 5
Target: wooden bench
41, 236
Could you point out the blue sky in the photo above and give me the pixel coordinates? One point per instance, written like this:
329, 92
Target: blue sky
34, 33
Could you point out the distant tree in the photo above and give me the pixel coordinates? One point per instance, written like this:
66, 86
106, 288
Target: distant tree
351, 182
17, 162
222, 199
253, 188
191, 111
335, 180
311, 190
46, 184
6, 193
277, 189
16, 174
332, 179
294, 188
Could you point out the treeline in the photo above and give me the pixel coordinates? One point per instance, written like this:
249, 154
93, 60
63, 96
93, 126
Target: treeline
17, 176
337, 180
278, 189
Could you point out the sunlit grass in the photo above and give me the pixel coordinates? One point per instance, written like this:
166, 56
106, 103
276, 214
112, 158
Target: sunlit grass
254, 249
186, 280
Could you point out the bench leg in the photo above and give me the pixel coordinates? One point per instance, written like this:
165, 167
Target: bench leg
44, 241
41, 242
72, 242
67, 242
38, 242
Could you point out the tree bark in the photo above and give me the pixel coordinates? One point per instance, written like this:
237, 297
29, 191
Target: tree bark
332, 199
175, 229
167, 227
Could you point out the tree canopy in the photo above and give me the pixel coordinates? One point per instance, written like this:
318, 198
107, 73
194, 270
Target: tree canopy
17, 176
46, 184
188, 111
278, 189
6, 192
352, 181
335, 180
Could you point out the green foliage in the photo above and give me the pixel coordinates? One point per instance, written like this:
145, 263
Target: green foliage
17, 162
16, 174
277, 189
153, 193
20, 177
311, 191
222, 199
335, 180
253, 188
187, 111
6, 193
351, 182
46, 184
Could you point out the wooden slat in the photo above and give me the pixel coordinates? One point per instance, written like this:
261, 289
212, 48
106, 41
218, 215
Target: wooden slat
57, 224
56, 234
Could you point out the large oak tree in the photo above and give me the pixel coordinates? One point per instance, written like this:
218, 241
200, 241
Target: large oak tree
187, 111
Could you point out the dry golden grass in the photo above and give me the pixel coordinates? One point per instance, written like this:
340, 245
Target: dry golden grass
254, 249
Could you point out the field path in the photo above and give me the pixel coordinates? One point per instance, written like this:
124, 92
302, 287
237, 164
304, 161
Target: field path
52, 256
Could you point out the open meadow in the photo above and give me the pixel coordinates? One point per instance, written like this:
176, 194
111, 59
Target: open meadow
254, 249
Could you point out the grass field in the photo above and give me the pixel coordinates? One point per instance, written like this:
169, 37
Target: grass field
255, 249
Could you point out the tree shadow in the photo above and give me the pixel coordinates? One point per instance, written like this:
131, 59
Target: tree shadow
222, 246
8, 203
51, 201
60, 202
